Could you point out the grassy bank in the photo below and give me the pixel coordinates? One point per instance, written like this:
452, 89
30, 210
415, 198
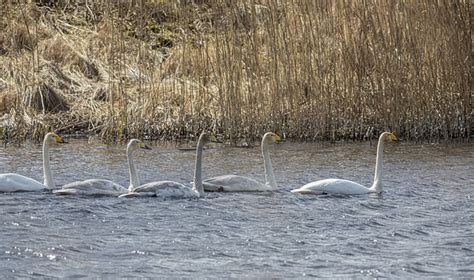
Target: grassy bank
316, 70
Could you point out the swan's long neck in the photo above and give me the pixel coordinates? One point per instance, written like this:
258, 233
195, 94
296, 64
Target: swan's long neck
198, 168
134, 180
377, 186
47, 176
269, 176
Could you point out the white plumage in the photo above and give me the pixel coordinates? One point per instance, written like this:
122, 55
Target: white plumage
166, 189
92, 187
12, 182
234, 183
237, 183
339, 186
170, 189
102, 186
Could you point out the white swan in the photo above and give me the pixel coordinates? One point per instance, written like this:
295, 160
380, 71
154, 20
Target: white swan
11, 182
170, 189
339, 186
106, 187
236, 183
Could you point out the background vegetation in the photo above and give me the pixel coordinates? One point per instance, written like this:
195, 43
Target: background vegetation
314, 70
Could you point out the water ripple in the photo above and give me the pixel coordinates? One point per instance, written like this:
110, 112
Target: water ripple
421, 226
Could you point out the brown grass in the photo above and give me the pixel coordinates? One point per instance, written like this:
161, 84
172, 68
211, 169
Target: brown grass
315, 70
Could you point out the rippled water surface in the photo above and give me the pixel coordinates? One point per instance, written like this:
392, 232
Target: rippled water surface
422, 225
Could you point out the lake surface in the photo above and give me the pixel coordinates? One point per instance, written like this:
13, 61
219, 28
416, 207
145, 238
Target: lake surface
420, 227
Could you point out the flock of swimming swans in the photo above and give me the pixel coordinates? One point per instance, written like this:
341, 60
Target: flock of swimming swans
11, 182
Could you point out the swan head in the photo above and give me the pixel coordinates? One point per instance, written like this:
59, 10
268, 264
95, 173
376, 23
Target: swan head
52, 138
206, 138
388, 137
136, 144
271, 137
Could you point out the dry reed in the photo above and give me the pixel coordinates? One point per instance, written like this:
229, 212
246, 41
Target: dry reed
314, 70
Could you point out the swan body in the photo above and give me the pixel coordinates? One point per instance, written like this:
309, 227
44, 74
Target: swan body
102, 186
333, 186
170, 189
92, 187
236, 183
12, 182
346, 187
166, 189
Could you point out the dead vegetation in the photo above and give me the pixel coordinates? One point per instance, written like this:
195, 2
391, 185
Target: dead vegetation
315, 70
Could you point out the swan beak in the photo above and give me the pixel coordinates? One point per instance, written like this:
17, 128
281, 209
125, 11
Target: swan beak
212, 138
144, 146
276, 138
59, 139
393, 137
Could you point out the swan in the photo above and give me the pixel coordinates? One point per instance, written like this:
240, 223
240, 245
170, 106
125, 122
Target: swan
346, 187
170, 189
106, 187
11, 182
236, 183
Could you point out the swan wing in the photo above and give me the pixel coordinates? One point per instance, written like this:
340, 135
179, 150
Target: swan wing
12, 182
92, 187
165, 189
233, 183
332, 186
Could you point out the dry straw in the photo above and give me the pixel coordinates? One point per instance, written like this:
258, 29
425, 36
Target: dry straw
316, 70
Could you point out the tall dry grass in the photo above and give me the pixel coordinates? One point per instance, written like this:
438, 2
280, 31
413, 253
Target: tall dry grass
315, 70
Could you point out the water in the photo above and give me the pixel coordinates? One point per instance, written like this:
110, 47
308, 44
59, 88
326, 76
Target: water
422, 226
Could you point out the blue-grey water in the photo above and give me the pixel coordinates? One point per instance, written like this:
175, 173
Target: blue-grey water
421, 226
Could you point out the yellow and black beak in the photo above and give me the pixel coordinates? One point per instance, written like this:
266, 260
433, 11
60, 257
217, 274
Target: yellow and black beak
144, 146
59, 139
276, 138
212, 138
393, 136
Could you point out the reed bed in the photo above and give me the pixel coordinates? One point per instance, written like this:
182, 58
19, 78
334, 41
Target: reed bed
312, 70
